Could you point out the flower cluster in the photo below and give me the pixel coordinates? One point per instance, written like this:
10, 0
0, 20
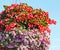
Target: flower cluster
25, 16
25, 39
24, 27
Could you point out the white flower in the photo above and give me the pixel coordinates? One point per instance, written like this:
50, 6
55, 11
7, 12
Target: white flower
7, 35
23, 47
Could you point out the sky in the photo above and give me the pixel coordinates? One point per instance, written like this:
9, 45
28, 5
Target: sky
51, 6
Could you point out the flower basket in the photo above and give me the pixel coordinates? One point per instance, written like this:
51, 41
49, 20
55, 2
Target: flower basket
24, 28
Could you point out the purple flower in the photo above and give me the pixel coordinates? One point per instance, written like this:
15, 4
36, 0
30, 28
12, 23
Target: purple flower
3, 38
17, 40
22, 36
13, 33
35, 31
11, 41
31, 43
41, 48
27, 38
0, 32
25, 41
11, 46
44, 41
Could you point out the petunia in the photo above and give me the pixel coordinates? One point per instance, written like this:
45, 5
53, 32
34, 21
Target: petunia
10, 46
17, 40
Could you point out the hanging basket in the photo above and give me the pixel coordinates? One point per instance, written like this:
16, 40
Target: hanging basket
24, 28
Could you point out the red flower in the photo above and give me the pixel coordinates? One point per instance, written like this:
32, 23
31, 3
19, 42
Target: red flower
6, 20
12, 25
48, 30
40, 26
53, 22
23, 15
49, 21
17, 19
0, 29
14, 5
8, 28
30, 16
11, 7
23, 12
29, 9
30, 25
9, 15
1, 22
22, 20
40, 17
44, 29
36, 16
46, 14
23, 7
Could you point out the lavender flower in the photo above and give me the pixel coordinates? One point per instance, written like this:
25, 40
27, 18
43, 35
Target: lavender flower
11, 46
17, 40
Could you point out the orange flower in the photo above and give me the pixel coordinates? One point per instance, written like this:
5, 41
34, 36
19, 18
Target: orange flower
36, 22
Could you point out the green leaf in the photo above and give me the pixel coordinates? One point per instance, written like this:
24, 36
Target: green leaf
5, 6
7, 39
26, 22
10, 20
33, 20
34, 12
11, 35
44, 23
3, 15
36, 36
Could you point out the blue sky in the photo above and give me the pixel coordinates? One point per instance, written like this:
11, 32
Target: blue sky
53, 7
